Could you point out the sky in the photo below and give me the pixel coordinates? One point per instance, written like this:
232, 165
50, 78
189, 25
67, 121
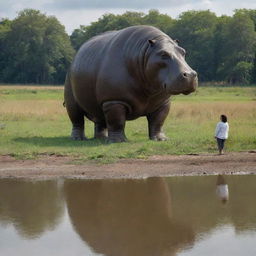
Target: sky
73, 13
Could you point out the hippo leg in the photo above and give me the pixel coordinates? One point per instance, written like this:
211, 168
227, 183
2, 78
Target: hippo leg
100, 130
156, 121
75, 113
115, 115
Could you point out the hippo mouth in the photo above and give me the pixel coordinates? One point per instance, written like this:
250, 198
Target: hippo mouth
192, 88
187, 92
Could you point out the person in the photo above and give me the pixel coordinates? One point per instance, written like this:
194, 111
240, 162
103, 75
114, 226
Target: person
221, 133
222, 189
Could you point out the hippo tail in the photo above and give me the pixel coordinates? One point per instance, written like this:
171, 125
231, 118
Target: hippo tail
67, 87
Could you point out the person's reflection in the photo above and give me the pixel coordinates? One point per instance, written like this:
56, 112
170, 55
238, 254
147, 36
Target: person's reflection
32, 207
124, 218
222, 189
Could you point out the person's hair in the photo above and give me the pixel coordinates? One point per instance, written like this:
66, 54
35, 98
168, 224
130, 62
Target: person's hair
224, 118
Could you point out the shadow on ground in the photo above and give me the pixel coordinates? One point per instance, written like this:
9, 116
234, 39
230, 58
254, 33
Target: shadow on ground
61, 141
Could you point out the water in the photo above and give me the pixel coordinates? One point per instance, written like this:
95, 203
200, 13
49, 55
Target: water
182, 216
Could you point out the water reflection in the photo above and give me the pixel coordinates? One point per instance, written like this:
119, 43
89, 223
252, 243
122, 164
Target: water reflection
156, 216
196, 196
222, 189
126, 217
32, 207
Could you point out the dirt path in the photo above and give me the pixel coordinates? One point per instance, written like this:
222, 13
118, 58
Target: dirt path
54, 166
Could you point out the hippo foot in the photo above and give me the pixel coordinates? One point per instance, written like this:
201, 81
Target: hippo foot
101, 135
159, 137
115, 137
78, 134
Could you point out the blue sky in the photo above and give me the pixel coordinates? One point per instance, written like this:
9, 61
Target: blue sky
73, 13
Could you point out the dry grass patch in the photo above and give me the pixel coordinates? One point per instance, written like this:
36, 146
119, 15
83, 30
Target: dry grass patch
31, 109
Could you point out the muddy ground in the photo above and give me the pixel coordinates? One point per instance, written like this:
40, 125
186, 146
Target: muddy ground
61, 166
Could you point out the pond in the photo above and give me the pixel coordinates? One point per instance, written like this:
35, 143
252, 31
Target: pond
182, 216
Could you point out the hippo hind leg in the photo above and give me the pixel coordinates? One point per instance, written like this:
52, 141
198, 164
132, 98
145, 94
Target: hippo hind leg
75, 113
76, 116
156, 121
115, 115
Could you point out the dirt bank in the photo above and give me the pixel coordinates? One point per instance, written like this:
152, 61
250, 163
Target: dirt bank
59, 166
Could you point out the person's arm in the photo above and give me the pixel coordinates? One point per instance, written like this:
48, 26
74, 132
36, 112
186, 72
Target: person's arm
217, 129
227, 130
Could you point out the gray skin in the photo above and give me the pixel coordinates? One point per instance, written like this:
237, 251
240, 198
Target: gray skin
123, 75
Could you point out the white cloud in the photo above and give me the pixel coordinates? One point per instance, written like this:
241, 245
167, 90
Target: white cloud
114, 4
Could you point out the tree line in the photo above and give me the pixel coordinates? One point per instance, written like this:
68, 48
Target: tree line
36, 49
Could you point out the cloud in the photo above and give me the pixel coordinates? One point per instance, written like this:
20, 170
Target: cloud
117, 4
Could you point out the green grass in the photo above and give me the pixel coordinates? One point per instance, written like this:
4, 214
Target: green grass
33, 122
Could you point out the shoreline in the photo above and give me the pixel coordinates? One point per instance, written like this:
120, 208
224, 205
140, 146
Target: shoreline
47, 167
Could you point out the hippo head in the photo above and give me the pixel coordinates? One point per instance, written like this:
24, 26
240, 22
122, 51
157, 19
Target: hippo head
167, 69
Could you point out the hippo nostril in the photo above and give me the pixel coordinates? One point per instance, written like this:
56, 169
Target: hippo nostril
194, 74
191, 74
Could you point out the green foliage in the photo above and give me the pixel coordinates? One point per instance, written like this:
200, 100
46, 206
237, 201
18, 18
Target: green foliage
236, 52
156, 19
37, 49
5, 27
241, 73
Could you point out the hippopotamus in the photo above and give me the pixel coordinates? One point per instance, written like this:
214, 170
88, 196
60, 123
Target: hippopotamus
122, 75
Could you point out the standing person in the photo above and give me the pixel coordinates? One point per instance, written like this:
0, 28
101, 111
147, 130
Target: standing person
221, 133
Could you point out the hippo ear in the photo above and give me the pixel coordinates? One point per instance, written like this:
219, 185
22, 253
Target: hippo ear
177, 41
152, 42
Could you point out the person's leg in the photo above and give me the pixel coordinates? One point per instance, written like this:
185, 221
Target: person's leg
219, 145
222, 145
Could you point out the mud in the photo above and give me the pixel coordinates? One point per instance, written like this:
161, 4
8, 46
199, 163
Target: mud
160, 166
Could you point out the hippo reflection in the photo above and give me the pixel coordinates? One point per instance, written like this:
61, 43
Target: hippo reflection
124, 218
32, 207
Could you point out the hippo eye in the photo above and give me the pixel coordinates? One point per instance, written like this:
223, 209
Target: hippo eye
183, 52
165, 55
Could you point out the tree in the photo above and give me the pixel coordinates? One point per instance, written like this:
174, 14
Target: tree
110, 22
252, 14
38, 50
5, 27
241, 73
220, 50
195, 31
237, 48
156, 19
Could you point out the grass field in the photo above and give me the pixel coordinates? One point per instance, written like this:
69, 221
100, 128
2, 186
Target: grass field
33, 122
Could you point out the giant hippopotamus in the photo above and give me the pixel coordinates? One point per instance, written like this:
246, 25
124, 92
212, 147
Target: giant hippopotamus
122, 75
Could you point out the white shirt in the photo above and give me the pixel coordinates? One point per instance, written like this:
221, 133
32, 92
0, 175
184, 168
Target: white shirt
221, 131
222, 191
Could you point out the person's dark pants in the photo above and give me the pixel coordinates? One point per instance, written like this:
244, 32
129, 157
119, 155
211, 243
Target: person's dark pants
220, 143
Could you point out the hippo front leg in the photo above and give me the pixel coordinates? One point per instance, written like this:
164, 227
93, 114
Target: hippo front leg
155, 122
115, 115
100, 130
